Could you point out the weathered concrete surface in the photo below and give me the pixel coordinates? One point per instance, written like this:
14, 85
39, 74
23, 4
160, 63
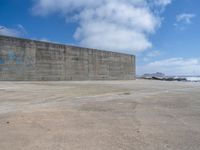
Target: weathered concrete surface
22, 59
99, 115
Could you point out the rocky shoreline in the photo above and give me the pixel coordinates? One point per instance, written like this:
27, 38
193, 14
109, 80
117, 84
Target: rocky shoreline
164, 78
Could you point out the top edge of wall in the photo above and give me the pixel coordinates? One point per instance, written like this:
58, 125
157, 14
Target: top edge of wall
55, 43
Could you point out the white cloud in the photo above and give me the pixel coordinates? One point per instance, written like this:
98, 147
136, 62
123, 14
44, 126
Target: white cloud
119, 25
173, 66
161, 2
21, 29
153, 54
185, 18
8, 31
18, 31
44, 40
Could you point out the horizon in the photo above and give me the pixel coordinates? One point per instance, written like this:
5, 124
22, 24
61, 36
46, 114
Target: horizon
162, 34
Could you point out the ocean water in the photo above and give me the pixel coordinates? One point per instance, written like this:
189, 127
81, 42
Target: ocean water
193, 79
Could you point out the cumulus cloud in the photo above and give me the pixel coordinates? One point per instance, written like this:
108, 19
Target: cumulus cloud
173, 66
108, 24
17, 31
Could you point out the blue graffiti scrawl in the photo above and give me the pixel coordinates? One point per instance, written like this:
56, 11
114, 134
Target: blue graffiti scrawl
13, 58
2, 61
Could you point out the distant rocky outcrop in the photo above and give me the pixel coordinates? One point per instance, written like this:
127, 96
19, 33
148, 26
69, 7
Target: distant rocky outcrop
161, 76
157, 74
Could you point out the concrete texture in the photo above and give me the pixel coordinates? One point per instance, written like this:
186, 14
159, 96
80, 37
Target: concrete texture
99, 115
22, 59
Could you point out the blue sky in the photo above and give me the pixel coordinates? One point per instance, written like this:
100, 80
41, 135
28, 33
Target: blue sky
163, 34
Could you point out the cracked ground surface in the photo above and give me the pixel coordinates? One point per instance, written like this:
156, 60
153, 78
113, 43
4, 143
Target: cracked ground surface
100, 115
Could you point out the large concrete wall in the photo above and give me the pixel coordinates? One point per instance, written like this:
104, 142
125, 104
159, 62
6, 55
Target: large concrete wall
22, 59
